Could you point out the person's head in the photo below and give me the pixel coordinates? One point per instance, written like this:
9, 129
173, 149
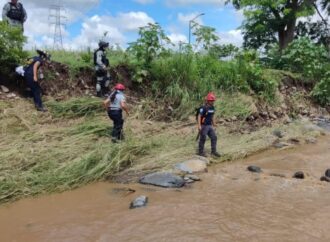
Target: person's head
45, 56
14, 1
119, 87
210, 98
103, 45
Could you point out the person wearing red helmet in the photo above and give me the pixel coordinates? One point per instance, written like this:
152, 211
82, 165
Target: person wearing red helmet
114, 104
206, 124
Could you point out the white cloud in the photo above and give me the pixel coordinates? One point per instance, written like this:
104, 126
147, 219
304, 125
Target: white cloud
234, 37
174, 3
131, 21
185, 18
144, 1
177, 38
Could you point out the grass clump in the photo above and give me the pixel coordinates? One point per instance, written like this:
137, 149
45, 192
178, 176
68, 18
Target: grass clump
76, 107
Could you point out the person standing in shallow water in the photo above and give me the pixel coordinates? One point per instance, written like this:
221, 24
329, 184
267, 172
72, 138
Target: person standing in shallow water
205, 126
115, 104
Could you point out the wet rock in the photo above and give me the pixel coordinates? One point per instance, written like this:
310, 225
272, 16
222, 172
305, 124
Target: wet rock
192, 166
4, 89
278, 133
327, 173
310, 140
163, 179
193, 177
280, 145
299, 175
138, 202
325, 178
187, 180
255, 169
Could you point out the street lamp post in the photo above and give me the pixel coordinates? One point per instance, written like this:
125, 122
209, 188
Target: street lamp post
190, 25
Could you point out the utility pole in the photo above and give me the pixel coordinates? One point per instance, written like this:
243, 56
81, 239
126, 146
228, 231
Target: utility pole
190, 25
58, 20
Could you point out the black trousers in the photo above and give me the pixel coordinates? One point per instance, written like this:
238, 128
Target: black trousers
118, 122
35, 89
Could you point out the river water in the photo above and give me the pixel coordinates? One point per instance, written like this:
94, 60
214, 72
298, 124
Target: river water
229, 204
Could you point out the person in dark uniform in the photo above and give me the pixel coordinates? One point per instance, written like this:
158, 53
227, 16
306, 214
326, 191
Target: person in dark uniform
101, 69
114, 104
32, 79
14, 14
206, 126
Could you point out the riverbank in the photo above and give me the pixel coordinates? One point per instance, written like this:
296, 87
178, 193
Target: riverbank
70, 147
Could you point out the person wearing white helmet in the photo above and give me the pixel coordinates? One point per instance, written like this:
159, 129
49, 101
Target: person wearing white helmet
32, 79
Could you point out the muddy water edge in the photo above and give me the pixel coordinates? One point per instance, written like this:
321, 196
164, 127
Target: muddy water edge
229, 204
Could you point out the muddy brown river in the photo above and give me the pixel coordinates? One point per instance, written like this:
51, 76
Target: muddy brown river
229, 204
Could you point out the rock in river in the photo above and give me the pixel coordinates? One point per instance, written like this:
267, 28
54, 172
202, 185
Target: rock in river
327, 173
299, 175
192, 166
254, 169
162, 179
140, 201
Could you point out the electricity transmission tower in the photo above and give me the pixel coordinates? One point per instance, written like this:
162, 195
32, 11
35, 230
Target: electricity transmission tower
58, 20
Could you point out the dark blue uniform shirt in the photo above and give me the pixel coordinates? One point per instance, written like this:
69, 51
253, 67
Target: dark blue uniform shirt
29, 67
207, 113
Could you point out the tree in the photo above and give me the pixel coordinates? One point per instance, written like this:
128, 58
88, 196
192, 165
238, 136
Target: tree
206, 36
270, 20
150, 43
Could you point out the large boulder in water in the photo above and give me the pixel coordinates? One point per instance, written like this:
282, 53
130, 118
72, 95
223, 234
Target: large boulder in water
162, 179
192, 166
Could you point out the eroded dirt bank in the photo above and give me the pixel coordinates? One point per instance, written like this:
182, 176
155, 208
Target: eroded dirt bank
229, 204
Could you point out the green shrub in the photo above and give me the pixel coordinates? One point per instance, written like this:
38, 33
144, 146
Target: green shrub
321, 91
301, 56
11, 44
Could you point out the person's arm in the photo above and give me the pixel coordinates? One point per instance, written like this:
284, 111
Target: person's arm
35, 71
199, 122
124, 106
99, 60
25, 15
5, 12
106, 103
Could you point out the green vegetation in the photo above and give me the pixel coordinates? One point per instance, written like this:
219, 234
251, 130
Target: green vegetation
70, 146
11, 42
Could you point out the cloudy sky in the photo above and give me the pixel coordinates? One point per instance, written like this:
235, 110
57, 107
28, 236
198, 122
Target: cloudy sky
87, 20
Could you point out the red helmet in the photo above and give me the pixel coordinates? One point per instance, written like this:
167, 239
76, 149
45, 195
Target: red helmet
210, 97
119, 86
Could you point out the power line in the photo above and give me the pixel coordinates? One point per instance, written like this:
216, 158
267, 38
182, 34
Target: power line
58, 20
